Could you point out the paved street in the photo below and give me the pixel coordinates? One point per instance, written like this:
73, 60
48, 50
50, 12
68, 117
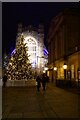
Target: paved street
26, 102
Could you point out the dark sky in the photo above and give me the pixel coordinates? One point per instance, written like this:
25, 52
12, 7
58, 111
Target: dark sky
28, 14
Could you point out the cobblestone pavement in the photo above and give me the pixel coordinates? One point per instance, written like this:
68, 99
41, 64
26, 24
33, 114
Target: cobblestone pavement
27, 102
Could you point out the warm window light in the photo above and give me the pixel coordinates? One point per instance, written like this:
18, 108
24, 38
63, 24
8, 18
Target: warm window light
65, 67
29, 38
55, 68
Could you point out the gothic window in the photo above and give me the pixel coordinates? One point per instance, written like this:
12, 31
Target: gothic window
32, 50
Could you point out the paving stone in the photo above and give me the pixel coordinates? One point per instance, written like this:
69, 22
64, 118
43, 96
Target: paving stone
32, 115
27, 102
15, 115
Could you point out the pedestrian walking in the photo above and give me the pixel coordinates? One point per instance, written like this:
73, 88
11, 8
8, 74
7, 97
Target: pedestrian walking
44, 81
47, 80
4, 80
38, 80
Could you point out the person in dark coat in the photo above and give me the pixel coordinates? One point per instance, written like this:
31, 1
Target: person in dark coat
4, 80
38, 80
47, 79
44, 81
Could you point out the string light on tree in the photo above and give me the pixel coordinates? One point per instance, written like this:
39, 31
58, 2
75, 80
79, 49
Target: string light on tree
19, 66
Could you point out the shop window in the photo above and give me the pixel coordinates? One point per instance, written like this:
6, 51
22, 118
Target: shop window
62, 73
72, 71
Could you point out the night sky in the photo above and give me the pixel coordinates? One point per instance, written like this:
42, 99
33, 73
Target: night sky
27, 14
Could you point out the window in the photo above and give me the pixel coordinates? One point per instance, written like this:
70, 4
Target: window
32, 51
72, 71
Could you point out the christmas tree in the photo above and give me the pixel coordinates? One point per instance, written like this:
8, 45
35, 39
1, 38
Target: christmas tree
19, 66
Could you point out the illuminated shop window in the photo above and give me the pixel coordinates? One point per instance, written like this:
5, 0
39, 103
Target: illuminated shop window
72, 71
61, 73
58, 73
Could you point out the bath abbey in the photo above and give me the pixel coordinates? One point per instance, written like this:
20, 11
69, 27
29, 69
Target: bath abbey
34, 39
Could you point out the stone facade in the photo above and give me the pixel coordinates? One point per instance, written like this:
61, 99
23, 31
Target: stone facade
34, 37
64, 45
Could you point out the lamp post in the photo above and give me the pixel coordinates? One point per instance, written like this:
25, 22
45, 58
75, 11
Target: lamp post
55, 73
55, 68
65, 67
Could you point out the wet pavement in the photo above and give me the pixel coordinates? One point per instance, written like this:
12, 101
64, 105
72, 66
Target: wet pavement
27, 102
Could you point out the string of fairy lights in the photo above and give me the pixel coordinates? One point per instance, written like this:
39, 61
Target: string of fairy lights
19, 66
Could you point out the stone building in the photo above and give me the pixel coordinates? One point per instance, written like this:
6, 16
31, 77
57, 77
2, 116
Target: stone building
34, 37
64, 46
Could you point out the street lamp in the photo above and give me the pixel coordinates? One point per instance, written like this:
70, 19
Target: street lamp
55, 68
55, 73
65, 67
